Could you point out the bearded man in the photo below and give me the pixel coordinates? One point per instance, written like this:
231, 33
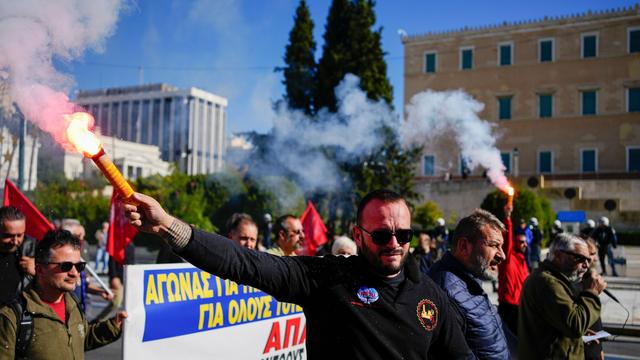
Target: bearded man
476, 251
552, 317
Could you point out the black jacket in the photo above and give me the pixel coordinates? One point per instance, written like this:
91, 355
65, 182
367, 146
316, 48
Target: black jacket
348, 310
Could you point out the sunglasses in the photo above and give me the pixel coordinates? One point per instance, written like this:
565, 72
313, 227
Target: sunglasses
66, 266
382, 237
577, 257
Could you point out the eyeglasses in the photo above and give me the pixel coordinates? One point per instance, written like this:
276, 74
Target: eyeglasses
383, 236
577, 257
66, 266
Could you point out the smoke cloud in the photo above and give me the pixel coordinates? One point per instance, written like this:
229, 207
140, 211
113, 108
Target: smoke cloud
35, 32
352, 132
430, 114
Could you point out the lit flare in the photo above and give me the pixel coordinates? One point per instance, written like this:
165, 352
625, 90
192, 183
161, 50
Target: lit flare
510, 191
87, 143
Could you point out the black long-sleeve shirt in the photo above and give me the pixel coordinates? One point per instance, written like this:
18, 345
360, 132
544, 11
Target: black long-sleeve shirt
351, 312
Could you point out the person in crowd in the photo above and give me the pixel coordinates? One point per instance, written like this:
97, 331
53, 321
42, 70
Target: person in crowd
116, 277
343, 246
288, 236
85, 286
592, 350
17, 252
523, 228
587, 229
512, 273
441, 237
425, 252
373, 306
242, 229
535, 248
556, 229
102, 256
60, 327
553, 318
607, 240
476, 251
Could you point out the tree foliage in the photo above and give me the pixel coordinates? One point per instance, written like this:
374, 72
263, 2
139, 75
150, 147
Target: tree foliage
426, 214
351, 46
526, 204
74, 199
300, 69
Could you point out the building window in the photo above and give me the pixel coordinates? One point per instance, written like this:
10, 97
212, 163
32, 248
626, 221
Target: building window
430, 62
545, 105
428, 165
633, 99
506, 161
505, 54
545, 50
589, 102
504, 108
633, 159
466, 58
589, 45
589, 161
545, 162
633, 35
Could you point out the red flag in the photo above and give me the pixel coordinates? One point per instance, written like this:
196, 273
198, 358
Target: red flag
121, 232
37, 225
315, 232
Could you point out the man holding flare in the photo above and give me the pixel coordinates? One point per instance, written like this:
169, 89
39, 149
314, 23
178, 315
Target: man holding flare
374, 306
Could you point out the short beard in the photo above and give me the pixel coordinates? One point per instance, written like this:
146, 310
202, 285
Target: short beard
481, 269
377, 265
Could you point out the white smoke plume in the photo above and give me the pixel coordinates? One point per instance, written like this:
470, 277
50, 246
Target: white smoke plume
351, 131
430, 114
35, 32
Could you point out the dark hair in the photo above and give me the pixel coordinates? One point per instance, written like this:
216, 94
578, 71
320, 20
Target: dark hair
384, 195
10, 213
53, 240
237, 219
470, 227
281, 224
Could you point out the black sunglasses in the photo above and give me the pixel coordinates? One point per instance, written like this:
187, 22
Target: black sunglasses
66, 266
577, 257
383, 236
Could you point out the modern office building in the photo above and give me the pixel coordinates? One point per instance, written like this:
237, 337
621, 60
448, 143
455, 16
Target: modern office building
187, 125
564, 95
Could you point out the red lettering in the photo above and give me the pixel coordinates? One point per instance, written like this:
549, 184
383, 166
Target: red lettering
273, 342
292, 324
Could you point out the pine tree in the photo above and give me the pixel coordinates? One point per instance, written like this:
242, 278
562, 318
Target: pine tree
333, 64
351, 46
299, 73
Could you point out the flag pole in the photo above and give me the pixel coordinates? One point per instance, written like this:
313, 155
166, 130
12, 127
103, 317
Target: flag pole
95, 276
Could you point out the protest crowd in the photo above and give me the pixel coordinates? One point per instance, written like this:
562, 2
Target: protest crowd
368, 296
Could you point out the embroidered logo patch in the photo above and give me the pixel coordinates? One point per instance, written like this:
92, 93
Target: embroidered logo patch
81, 330
368, 295
427, 314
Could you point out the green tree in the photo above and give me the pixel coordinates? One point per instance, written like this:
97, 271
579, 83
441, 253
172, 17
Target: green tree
300, 69
526, 204
351, 46
426, 214
73, 199
332, 66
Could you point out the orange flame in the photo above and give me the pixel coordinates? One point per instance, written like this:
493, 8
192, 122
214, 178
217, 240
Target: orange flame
510, 191
80, 136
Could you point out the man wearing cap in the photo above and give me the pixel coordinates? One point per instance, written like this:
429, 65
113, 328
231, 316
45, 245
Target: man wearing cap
536, 243
373, 306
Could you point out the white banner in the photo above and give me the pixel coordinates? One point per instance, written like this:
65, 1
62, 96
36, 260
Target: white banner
177, 311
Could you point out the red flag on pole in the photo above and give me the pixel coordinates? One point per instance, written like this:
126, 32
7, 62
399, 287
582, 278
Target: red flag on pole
121, 232
37, 225
315, 232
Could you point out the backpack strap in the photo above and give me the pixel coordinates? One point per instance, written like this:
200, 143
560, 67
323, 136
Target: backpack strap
24, 326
